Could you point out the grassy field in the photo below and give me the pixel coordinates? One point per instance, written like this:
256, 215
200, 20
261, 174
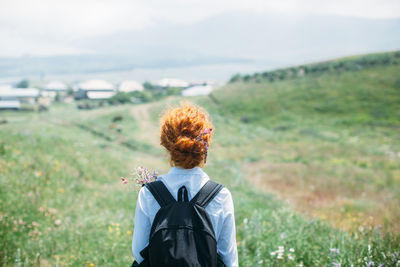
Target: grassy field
312, 164
327, 143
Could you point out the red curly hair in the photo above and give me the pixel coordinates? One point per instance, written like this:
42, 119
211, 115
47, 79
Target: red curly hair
181, 130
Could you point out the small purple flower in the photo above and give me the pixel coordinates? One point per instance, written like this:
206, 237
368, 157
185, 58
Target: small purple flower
144, 176
207, 131
371, 263
334, 251
199, 138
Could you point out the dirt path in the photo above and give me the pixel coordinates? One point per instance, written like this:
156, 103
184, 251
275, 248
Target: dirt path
149, 130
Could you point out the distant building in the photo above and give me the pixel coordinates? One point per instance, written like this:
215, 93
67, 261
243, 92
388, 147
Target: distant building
12, 98
129, 86
167, 83
94, 89
197, 90
53, 88
201, 83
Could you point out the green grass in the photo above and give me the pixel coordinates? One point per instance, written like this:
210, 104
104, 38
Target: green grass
52, 173
328, 143
62, 202
369, 97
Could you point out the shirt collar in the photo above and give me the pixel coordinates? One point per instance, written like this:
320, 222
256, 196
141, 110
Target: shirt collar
179, 170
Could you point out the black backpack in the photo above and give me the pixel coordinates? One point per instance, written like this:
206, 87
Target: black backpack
182, 233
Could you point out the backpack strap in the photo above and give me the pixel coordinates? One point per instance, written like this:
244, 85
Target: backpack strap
207, 193
160, 193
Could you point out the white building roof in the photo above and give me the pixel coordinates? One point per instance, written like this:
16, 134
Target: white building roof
5, 87
19, 92
197, 90
100, 95
56, 86
129, 86
4, 104
96, 85
167, 82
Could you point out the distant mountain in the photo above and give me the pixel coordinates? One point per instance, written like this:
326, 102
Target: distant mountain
273, 40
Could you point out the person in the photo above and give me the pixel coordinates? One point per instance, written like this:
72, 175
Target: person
186, 133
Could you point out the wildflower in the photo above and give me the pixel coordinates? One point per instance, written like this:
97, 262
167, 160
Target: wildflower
272, 253
291, 250
283, 235
200, 138
128, 232
207, 131
57, 222
281, 249
51, 210
124, 181
145, 176
245, 221
371, 263
334, 251
290, 257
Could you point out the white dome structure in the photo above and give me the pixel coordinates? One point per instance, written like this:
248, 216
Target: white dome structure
56, 86
95, 89
96, 85
129, 86
197, 90
167, 82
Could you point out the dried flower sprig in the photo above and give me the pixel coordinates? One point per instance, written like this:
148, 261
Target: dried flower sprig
199, 138
144, 176
140, 176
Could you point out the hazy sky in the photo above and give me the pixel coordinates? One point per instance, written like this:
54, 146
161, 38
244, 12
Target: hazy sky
45, 27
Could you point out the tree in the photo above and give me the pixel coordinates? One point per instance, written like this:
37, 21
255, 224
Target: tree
23, 84
235, 78
148, 86
173, 91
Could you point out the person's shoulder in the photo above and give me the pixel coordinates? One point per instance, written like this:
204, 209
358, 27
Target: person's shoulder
144, 192
223, 198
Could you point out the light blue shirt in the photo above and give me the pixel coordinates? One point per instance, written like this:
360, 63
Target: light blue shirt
220, 209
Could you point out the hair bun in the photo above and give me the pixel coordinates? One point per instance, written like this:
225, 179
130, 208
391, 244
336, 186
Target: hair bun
185, 144
181, 130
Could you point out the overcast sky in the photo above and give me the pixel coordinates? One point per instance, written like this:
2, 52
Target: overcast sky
45, 27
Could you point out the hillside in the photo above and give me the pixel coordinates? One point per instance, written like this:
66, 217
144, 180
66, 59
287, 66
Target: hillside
358, 90
322, 185
326, 140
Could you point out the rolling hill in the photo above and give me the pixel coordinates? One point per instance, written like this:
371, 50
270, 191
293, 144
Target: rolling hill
312, 162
